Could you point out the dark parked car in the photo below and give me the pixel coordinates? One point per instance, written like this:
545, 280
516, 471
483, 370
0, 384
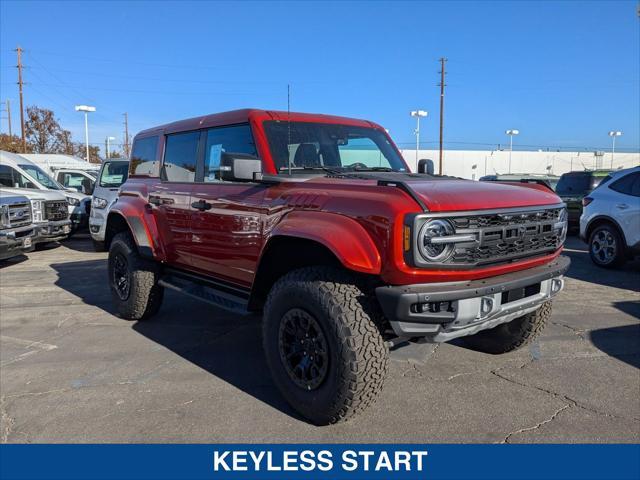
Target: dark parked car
573, 187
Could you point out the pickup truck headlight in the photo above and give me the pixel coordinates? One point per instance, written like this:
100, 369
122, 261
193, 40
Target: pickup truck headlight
432, 240
99, 202
36, 208
74, 202
4, 216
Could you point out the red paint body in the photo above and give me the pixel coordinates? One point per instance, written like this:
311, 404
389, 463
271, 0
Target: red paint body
357, 220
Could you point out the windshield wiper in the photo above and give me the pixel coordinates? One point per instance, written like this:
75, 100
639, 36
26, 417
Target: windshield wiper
374, 169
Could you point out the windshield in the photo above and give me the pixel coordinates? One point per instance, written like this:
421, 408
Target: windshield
579, 183
41, 177
330, 147
114, 174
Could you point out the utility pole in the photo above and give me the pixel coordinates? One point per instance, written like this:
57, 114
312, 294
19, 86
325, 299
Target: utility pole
442, 85
126, 134
20, 83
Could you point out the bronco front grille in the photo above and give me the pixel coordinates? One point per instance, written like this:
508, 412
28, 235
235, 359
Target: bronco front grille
499, 236
19, 214
54, 210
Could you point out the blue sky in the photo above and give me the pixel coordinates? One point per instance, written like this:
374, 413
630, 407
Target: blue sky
563, 73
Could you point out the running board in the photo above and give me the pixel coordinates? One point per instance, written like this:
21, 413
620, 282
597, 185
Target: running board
207, 291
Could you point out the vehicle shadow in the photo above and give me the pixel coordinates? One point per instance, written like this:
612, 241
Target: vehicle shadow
582, 268
13, 261
621, 342
223, 344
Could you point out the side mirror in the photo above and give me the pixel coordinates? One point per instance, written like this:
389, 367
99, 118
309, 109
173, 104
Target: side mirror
426, 166
240, 168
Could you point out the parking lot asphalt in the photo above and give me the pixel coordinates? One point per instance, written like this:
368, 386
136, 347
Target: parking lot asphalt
71, 371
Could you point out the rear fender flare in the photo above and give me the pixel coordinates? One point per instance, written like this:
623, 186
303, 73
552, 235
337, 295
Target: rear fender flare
344, 237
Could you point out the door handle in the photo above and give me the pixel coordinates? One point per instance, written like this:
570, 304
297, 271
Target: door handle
622, 206
201, 205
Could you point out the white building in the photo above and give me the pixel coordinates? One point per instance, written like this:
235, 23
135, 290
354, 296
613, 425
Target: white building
473, 164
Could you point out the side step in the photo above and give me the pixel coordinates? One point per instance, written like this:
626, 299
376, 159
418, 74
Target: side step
227, 297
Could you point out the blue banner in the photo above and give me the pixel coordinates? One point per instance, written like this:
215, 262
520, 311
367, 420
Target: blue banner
298, 461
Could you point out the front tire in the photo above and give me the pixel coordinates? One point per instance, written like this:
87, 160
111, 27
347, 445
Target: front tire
606, 248
133, 280
323, 347
512, 335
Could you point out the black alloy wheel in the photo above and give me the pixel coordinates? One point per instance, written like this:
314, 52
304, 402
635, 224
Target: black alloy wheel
303, 349
121, 276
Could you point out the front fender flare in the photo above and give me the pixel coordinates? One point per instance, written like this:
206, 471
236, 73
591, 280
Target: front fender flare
347, 239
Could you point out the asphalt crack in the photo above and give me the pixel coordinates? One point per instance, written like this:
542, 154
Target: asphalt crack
536, 426
577, 331
572, 402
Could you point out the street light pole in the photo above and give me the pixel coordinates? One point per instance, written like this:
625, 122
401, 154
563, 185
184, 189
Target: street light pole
108, 139
613, 134
418, 114
86, 109
511, 133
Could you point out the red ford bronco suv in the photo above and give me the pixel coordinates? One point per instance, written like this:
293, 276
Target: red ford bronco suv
317, 222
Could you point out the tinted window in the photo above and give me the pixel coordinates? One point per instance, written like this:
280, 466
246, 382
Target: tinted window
11, 178
114, 174
626, 184
574, 184
143, 157
222, 144
180, 156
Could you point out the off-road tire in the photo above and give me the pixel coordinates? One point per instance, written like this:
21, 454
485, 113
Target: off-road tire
618, 258
357, 353
511, 335
145, 295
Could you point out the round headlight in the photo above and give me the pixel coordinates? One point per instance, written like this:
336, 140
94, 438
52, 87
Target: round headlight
429, 245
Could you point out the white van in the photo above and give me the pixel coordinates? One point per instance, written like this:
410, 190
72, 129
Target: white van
69, 171
112, 174
16, 165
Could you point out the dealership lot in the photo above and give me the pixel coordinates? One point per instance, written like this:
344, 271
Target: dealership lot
71, 371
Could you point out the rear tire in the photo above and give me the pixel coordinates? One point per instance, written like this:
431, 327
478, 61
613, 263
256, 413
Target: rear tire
133, 280
321, 311
606, 248
512, 335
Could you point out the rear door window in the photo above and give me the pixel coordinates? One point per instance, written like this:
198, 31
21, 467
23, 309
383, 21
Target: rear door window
180, 157
143, 157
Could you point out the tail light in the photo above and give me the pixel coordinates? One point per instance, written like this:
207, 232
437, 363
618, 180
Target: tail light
586, 201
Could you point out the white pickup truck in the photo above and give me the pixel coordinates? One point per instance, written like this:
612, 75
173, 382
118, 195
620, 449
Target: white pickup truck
16, 225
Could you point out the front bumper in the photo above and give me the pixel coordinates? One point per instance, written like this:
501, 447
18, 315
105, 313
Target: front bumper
52, 231
97, 224
16, 242
444, 311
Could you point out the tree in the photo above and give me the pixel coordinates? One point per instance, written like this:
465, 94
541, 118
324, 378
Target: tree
80, 150
11, 143
115, 154
43, 132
